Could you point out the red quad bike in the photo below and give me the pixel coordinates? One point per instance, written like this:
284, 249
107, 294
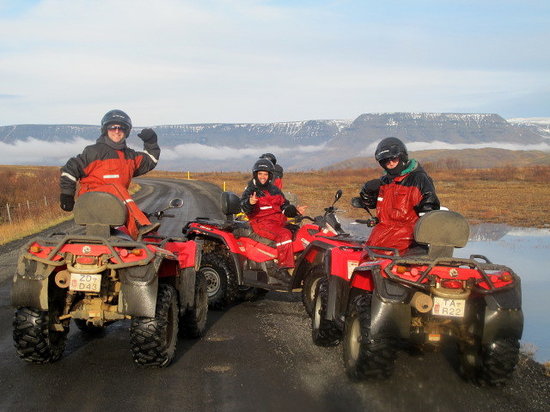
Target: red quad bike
103, 276
421, 299
238, 264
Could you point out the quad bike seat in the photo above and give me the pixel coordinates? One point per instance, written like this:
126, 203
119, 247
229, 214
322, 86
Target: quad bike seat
442, 231
99, 212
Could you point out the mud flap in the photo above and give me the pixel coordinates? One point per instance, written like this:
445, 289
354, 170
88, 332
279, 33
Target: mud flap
389, 319
138, 300
390, 315
503, 315
30, 292
186, 289
138, 294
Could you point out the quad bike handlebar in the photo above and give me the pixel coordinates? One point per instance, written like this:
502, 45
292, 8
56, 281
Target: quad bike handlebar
175, 203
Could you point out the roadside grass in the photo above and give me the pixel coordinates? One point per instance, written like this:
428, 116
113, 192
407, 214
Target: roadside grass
517, 196
508, 195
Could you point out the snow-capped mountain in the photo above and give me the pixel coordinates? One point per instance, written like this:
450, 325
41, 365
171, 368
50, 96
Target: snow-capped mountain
309, 144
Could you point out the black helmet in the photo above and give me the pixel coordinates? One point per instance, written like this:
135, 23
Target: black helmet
263, 165
116, 117
269, 156
391, 147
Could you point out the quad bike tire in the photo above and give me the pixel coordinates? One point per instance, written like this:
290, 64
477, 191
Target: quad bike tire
193, 322
323, 332
365, 357
36, 340
490, 364
310, 286
153, 340
221, 281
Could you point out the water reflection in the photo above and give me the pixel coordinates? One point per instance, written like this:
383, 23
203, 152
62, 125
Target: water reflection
527, 252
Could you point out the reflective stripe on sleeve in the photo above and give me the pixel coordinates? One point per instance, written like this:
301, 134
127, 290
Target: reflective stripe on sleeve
111, 176
68, 176
266, 207
151, 156
284, 243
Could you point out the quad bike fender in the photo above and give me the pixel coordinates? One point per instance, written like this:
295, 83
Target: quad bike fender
138, 300
139, 287
30, 284
502, 323
503, 315
312, 256
29, 292
186, 289
390, 311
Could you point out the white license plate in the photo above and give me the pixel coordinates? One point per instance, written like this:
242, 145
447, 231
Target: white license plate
85, 283
449, 307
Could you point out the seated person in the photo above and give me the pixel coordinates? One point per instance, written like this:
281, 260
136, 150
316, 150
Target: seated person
404, 192
268, 209
109, 165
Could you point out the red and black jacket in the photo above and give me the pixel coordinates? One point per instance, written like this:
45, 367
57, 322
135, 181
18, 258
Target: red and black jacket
107, 162
398, 204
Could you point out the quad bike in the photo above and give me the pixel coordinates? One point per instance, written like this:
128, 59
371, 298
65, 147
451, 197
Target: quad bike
422, 298
239, 264
103, 276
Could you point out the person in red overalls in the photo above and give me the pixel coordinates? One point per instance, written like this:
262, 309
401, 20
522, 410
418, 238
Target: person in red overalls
268, 209
404, 192
277, 169
109, 165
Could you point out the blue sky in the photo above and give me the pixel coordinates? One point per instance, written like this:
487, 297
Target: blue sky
178, 61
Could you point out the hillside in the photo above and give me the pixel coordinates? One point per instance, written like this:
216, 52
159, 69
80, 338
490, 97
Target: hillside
464, 158
300, 145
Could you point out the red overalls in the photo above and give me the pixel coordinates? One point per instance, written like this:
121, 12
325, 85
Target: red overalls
268, 221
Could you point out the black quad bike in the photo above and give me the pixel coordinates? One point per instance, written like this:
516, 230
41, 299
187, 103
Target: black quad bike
422, 298
238, 264
103, 276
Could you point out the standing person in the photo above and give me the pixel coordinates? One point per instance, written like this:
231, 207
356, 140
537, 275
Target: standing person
109, 165
267, 209
399, 196
277, 169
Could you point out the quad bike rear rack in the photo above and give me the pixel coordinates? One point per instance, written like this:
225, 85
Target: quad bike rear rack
471, 262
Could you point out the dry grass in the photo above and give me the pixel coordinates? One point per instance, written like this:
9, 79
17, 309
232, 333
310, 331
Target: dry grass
515, 196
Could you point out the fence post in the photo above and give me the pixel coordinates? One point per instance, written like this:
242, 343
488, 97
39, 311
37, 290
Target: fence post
9, 215
28, 206
45, 201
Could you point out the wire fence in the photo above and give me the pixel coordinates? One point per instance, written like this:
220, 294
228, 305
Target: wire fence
11, 213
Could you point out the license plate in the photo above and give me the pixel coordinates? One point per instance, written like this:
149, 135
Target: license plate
85, 282
449, 307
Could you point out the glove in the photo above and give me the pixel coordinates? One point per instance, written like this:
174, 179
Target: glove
290, 211
369, 192
148, 136
66, 202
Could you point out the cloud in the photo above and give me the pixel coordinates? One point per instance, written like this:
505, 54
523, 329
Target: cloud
199, 151
190, 61
38, 152
437, 145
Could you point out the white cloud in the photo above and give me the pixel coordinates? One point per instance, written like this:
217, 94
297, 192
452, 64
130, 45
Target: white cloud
195, 150
190, 61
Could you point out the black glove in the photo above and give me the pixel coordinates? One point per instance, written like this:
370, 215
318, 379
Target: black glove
66, 202
148, 136
290, 211
369, 192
